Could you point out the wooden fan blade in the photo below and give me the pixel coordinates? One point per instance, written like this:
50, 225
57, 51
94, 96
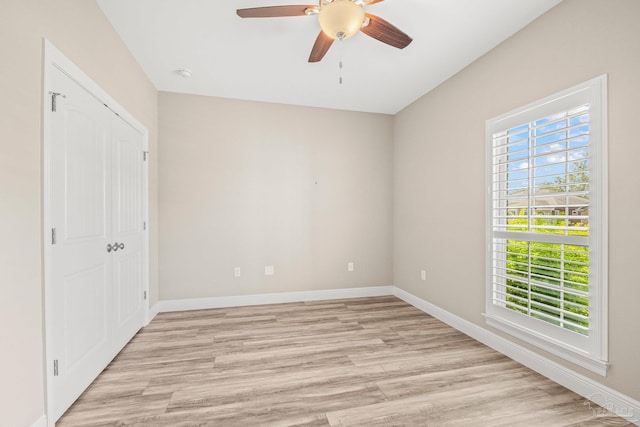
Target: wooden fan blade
320, 47
373, 2
381, 30
273, 11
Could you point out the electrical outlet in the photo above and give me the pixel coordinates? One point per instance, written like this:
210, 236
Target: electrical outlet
350, 266
269, 270
423, 275
236, 272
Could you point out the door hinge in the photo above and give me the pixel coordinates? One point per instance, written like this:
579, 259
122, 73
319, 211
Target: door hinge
145, 295
55, 368
145, 155
54, 95
54, 238
144, 225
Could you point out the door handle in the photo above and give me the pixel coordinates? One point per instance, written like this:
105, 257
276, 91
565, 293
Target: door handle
115, 246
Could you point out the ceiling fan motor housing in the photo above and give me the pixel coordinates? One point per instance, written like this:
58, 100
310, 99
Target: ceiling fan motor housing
341, 19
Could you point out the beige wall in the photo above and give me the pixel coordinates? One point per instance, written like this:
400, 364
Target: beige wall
79, 29
248, 184
439, 164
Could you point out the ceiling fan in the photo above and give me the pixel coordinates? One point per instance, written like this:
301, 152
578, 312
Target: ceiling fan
339, 20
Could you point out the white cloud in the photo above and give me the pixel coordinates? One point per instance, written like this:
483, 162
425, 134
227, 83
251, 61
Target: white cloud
577, 155
556, 159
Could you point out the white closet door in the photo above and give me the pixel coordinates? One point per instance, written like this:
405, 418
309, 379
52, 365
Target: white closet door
80, 203
96, 195
127, 152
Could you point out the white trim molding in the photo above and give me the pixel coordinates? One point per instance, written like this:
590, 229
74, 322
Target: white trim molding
153, 312
274, 298
612, 400
532, 337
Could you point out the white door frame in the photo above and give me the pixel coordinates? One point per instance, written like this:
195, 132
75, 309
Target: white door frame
54, 59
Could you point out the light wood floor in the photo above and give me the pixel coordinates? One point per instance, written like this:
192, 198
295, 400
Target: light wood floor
359, 362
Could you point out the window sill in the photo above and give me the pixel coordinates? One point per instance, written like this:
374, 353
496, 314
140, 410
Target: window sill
567, 353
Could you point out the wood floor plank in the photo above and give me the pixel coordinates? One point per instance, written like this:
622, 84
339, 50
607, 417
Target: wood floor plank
353, 362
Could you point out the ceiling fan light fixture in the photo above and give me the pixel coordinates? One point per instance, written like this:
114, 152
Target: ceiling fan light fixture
341, 19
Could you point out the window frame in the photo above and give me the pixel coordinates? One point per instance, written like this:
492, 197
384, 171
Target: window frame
590, 352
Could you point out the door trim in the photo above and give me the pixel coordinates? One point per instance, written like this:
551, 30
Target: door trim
55, 59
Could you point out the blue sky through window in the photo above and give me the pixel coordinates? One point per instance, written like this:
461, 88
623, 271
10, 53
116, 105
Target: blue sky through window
547, 151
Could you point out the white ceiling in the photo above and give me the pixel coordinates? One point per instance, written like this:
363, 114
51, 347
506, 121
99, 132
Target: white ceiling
265, 59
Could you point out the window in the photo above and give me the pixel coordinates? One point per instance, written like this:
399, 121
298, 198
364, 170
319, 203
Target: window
547, 246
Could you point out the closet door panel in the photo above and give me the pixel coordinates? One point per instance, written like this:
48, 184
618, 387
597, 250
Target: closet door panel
85, 172
127, 213
80, 209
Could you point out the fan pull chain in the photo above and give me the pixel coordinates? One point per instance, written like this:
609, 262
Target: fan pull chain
341, 47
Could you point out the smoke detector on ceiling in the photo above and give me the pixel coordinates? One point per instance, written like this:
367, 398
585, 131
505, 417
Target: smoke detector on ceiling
183, 72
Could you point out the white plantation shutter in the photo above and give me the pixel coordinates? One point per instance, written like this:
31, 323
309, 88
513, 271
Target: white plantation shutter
546, 272
540, 218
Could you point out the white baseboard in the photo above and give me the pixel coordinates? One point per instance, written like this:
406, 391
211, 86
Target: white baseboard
153, 312
261, 299
604, 396
40, 422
